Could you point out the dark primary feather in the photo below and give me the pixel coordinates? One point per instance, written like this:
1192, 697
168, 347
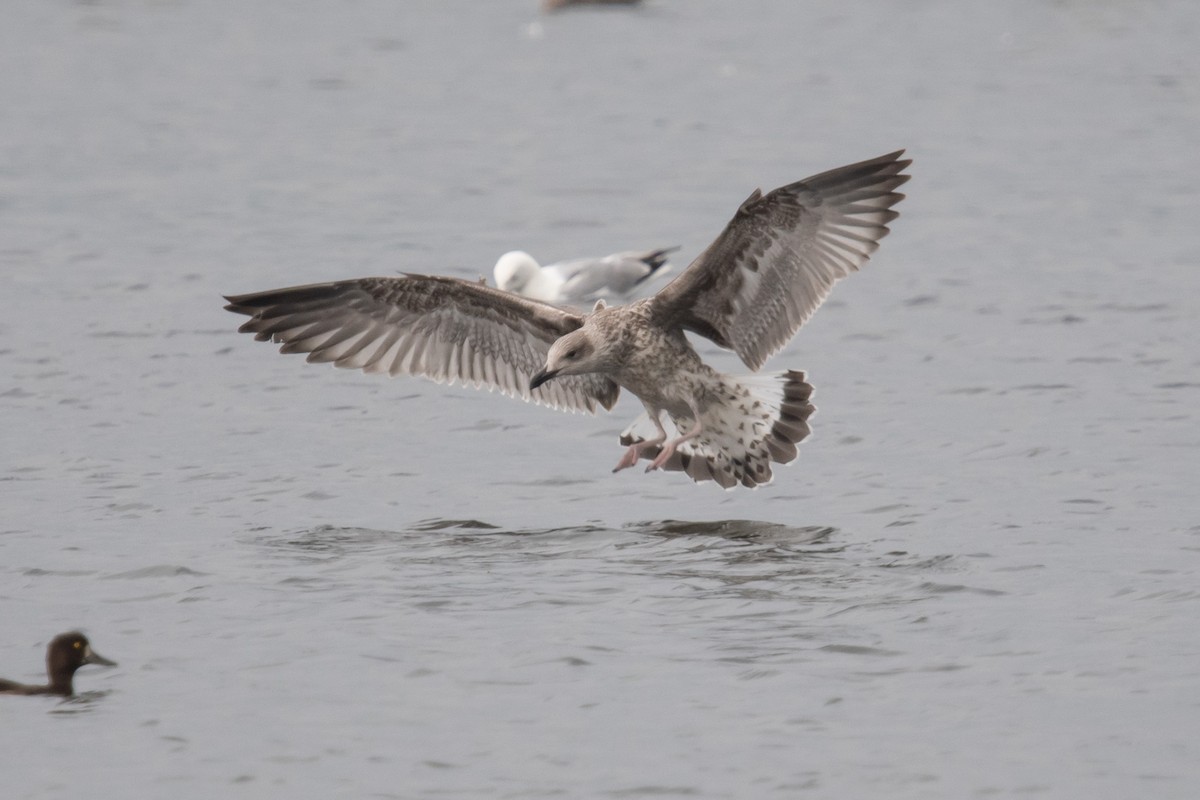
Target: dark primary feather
442, 328
778, 258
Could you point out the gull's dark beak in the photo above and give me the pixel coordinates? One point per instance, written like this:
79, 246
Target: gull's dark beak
540, 378
90, 656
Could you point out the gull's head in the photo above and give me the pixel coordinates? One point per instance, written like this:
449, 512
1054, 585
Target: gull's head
514, 271
577, 353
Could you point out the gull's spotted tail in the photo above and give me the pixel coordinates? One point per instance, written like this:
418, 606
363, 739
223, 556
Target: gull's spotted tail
760, 419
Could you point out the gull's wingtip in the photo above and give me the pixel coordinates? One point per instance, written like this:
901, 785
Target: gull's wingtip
901, 163
237, 303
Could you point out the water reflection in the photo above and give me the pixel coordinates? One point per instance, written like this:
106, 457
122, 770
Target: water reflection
739, 529
81, 702
809, 568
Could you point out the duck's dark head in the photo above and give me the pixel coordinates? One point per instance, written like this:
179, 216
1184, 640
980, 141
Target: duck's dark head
67, 653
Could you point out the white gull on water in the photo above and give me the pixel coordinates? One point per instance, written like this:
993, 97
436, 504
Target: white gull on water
553, 5
582, 279
749, 291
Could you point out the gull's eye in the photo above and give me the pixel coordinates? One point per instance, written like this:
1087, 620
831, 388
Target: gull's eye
572, 353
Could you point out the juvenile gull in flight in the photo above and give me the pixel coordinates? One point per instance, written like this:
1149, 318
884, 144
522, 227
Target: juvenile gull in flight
581, 279
750, 291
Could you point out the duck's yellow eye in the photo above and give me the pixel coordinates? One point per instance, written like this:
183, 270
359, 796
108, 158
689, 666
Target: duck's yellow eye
78, 645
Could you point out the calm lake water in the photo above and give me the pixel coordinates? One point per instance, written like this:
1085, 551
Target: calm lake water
980, 579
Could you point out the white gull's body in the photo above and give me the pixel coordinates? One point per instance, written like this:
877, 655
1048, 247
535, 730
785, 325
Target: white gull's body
749, 291
580, 280
554, 5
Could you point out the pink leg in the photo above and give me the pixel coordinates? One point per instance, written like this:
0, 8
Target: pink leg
635, 450
669, 448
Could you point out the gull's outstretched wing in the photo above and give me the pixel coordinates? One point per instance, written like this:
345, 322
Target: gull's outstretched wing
441, 328
778, 258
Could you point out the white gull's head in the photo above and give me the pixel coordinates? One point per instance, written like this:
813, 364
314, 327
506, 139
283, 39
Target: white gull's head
514, 270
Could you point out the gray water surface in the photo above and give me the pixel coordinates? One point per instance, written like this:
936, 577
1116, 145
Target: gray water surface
980, 579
